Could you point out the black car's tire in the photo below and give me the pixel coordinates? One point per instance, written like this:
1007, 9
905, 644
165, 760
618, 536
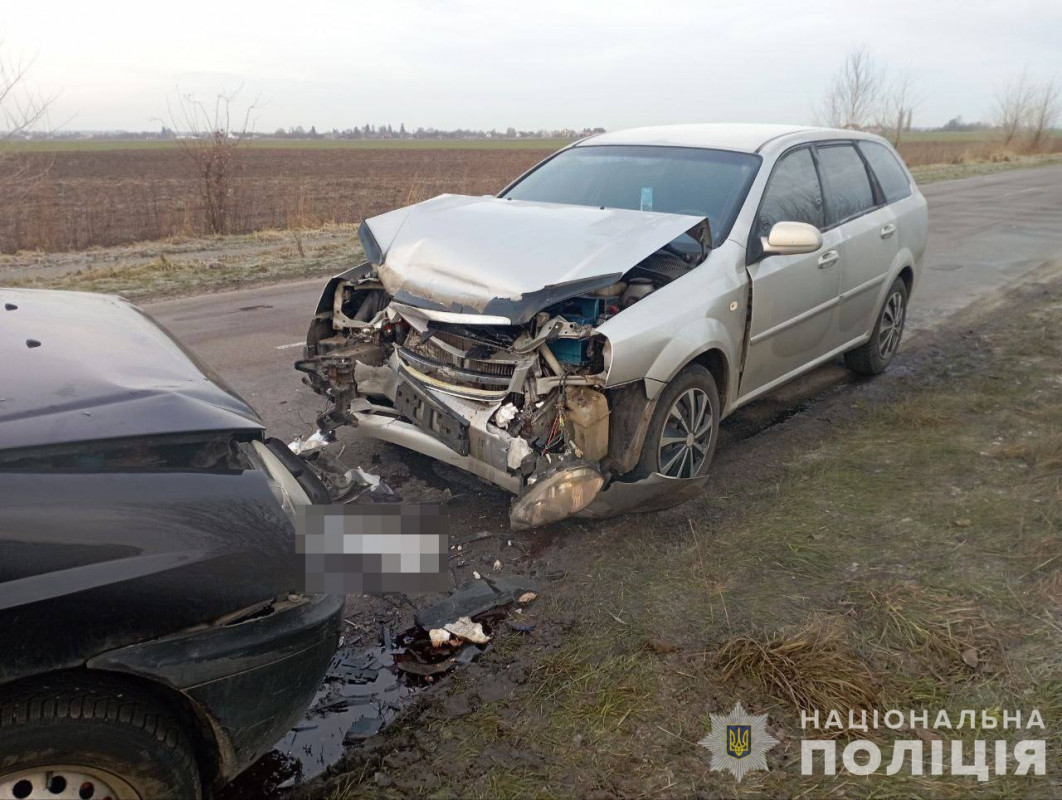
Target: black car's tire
695, 381
873, 357
96, 732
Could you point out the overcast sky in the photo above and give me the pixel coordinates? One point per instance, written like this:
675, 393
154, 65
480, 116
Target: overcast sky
465, 63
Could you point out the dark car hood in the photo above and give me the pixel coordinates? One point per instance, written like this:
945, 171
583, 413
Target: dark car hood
78, 367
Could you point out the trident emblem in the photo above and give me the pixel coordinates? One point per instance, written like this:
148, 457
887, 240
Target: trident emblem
738, 740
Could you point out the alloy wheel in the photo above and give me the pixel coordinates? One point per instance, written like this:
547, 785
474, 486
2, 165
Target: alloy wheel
892, 317
686, 436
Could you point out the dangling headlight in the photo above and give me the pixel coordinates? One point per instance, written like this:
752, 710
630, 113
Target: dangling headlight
556, 496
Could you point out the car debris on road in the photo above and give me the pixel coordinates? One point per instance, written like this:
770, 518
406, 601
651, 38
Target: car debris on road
364, 691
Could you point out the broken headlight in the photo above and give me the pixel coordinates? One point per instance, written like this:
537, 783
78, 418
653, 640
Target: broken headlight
556, 496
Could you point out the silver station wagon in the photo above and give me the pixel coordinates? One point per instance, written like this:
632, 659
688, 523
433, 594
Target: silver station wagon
577, 338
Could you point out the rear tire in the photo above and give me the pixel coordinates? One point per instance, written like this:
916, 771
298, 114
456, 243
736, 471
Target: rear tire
92, 734
873, 357
690, 401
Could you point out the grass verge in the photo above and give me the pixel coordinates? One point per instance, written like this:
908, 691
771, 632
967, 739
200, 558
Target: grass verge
189, 266
930, 173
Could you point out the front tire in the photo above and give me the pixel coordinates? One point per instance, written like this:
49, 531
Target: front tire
873, 357
683, 432
81, 738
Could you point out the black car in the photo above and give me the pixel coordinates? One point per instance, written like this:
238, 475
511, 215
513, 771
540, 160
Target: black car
153, 639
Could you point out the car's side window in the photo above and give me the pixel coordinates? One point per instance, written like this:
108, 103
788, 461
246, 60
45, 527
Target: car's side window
793, 193
891, 176
848, 189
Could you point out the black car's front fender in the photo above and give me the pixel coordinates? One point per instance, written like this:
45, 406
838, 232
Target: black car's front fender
249, 679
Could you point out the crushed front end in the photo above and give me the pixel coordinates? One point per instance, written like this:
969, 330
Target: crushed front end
520, 405
471, 335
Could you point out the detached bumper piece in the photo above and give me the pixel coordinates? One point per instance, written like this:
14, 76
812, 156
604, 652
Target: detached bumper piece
431, 416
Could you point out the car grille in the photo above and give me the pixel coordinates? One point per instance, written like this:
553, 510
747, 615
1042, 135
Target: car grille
477, 377
443, 357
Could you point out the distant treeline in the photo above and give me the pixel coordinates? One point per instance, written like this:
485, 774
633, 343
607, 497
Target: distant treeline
363, 132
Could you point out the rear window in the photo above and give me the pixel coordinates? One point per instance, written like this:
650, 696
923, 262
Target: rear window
673, 180
891, 176
848, 192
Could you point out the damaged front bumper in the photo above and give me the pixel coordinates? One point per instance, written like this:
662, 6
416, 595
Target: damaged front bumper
524, 407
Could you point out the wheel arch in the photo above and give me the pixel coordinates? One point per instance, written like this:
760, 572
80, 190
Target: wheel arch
907, 276
715, 361
712, 357
633, 405
207, 745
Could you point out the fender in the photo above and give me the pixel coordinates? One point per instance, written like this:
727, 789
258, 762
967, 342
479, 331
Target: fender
682, 351
656, 337
324, 305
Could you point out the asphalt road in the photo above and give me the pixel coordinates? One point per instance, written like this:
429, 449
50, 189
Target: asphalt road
984, 233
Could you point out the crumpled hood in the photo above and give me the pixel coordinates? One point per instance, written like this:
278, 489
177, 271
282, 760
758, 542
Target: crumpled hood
77, 367
488, 255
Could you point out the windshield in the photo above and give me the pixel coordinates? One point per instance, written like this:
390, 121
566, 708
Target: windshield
673, 180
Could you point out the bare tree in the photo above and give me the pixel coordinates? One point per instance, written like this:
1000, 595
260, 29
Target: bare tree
1045, 105
852, 99
896, 106
22, 109
210, 139
1013, 103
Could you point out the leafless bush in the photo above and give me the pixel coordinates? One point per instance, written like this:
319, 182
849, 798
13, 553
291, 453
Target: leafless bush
1026, 112
1013, 104
864, 95
896, 106
1044, 109
853, 96
22, 109
208, 137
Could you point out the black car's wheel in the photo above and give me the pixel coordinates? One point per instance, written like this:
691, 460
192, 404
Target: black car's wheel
684, 429
77, 739
873, 357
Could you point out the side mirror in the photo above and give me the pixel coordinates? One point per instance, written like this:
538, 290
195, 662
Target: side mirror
790, 239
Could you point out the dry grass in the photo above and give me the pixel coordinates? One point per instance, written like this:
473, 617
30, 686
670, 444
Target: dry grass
913, 414
811, 668
100, 198
935, 627
178, 267
1043, 453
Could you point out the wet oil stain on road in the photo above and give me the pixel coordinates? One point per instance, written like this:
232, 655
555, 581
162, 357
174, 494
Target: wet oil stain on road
365, 689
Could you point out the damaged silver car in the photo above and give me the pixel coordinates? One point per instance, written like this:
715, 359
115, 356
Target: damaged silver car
576, 339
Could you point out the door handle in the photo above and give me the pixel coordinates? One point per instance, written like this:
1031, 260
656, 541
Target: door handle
887, 230
827, 259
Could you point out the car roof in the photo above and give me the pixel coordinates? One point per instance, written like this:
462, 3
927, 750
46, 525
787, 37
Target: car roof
79, 367
743, 137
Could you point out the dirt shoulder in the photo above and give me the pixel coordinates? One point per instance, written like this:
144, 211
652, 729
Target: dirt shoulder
188, 266
894, 545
